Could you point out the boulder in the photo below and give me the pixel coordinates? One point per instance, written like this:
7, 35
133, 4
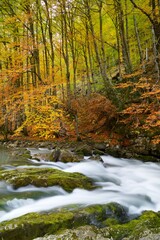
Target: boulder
34, 225
45, 177
68, 156
80, 233
89, 223
100, 146
83, 149
96, 158
63, 155
42, 156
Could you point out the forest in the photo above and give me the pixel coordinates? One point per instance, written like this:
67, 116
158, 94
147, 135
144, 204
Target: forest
79, 119
80, 69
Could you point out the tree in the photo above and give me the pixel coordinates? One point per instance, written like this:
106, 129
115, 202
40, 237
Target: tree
154, 17
123, 36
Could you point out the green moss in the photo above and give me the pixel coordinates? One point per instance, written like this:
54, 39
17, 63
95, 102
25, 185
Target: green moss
146, 158
134, 229
45, 177
34, 225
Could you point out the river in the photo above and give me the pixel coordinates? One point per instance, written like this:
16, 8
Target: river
129, 182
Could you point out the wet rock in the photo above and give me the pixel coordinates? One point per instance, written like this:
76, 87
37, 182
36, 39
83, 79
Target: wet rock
141, 145
54, 156
84, 149
92, 223
96, 158
35, 225
63, 155
97, 152
148, 235
20, 152
42, 156
45, 177
100, 146
68, 156
81, 233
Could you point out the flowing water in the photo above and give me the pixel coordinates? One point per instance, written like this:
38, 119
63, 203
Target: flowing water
131, 183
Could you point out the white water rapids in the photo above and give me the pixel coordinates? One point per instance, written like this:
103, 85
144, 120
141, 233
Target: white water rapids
131, 183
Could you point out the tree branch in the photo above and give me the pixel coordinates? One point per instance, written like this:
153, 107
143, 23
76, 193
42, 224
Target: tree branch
142, 10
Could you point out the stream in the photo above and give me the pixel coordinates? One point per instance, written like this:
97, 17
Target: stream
129, 182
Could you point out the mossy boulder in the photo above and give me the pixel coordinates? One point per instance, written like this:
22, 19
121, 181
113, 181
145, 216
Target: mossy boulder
45, 177
136, 229
80, 233
145, 227
76, 224
35, 225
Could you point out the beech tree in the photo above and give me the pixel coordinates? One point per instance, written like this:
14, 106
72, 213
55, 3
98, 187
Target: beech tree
153, 15
55, 51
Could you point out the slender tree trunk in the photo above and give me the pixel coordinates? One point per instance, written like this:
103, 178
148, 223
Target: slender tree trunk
44, 37
110, 91
87, 71
65, 49
51, 45
138, 39
125, 52
90, 59
156, 59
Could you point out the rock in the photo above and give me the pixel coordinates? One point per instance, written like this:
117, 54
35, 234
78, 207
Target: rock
80, 233
100, 146
136, 229
141, 145
92, 223
35, 225
45, 177
84, 149
54, 156
63, 155
96, 158
68, 156
148, 235
22, 153
42, 156
97, 152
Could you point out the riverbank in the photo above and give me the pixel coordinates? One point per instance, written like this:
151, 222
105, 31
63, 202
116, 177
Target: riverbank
141, 148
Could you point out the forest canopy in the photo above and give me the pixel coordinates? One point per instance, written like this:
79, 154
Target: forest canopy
59, 58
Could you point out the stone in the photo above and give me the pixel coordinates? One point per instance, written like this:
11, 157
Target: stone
45, 177
96, 158
84, 149
92, 223
80, 233
68, 156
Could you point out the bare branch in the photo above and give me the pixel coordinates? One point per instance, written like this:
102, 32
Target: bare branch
142, 10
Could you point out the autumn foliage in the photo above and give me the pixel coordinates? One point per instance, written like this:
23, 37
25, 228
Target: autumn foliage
95, 113
142, 115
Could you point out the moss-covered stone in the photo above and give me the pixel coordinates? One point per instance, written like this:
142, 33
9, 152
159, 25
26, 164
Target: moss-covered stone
45, 177
80, 233
146, 227
136, 229
35, 225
